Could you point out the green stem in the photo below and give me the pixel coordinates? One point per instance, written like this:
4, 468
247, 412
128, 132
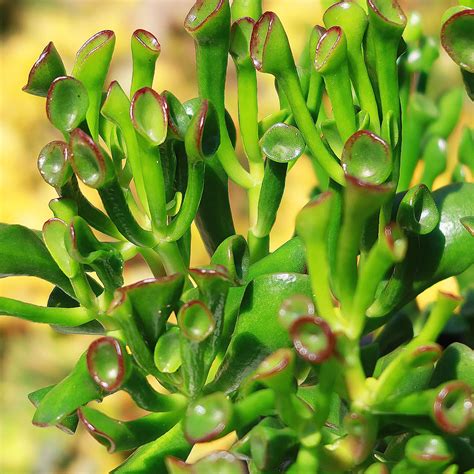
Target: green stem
154, 185
339, 90
40, 314
252, 407
291, 85
171, 257
181, 223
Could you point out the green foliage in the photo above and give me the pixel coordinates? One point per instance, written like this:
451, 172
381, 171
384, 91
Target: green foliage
316, 355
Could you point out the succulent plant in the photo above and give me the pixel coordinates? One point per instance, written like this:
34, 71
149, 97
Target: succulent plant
316, 355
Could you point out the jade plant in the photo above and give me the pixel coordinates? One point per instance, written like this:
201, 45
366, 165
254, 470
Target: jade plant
316, 356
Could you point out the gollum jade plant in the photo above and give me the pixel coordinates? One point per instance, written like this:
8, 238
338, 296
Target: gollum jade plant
316, 355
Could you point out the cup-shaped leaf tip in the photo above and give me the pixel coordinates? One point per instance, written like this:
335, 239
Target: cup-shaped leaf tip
293, 308
367, 157
149, 115
66, 103
457, 38
240, 36
106, 363
313, 339
208, 19
269, 46
207, 418
53, 164
144, 39
453, 407
195, 321
94, 44
87, 159
282, 143
330, 51
428, 451
203, 137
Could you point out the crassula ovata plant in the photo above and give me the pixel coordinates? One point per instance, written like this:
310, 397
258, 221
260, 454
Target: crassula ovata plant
316, 356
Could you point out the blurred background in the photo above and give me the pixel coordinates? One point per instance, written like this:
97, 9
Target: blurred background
32, 356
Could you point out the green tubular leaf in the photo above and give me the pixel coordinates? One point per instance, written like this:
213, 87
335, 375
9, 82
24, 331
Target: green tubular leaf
65, 397
47, 67
54, 232
367, 157
271, 53
456, 38
233, 254
331, 62
361, 200
53, 164
450, 108
91, 67
149, 116
466, 148
435, 160
68, 424
116, 108
118, 435
152, 456
312, 225
220, 462
22, 252
417, 211
246, 8
271, 194
258, 332
178, 120
270, 446
145, 51
102, 257
352, 18
67, 103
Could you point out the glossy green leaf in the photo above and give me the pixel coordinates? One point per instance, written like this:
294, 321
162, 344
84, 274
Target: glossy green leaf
22, 252
47, 67
68, 424
293, 308
118, 435
282, 143
233, 254
277, 371
54, 233
456, 38
145, 51
195, 321
428, 452
258, 332
207, 418
418, 212
220, 462
91, 67
153, 300
240, 37
148, 112
67, 103
167, 353
91, 166
152, 456
53, 164
456, 363
178, 119
367, 157
65, 397
312, 339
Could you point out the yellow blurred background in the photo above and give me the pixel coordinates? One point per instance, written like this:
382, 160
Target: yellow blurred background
32, 356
